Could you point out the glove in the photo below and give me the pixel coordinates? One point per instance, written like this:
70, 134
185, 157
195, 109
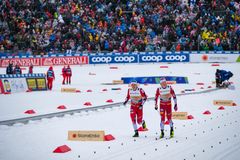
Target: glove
140, 107
175, 107
124, 103
156, 107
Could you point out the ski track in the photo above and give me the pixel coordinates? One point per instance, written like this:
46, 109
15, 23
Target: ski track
180, 137
37, 139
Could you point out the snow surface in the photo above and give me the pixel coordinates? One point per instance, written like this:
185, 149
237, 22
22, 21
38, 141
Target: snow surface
215, 136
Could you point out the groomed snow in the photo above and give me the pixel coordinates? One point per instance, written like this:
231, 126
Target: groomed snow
215, 136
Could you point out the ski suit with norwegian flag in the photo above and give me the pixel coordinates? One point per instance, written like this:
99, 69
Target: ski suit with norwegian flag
165, 95
138, 98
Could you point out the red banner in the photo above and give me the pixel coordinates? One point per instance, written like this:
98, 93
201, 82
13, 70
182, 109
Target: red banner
24, 62
49, 61
73, 60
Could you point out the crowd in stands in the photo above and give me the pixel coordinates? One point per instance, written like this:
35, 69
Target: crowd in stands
42, 26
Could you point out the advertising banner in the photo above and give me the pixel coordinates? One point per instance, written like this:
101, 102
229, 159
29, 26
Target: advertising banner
154, 58
86, 135
71, 60
206, 58
107, 59
223, 102
22, 82
36, 82
179, 115
25, 62
13, 85
155, 79
32, 84
41, 83
47, 61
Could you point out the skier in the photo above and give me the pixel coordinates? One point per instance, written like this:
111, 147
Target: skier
17, 70
50, 77
30, 70
138, 98
165, 92
221, 77
68, 74
64, 70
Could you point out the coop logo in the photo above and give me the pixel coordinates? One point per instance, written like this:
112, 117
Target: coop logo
118, 59
152, 58
128, 59
179, 58
164, 58
101, 59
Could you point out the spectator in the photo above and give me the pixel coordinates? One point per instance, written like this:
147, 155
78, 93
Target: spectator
9, 69
17, 70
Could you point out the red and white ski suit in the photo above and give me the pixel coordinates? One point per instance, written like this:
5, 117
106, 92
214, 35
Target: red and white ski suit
138, 98
165, 95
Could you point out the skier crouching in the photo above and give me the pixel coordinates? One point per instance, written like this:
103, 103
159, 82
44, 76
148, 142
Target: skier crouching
165, 92
222, 78
138, 98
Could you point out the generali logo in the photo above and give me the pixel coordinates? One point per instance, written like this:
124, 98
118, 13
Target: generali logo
48, 62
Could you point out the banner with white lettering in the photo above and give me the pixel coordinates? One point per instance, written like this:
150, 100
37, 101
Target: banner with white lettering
113, 58
154, 58
23, 62
72, 60
48, 61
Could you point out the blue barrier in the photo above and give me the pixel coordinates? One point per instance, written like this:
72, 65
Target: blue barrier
137, 58
110, 58
121, 58
154, 79
151, 58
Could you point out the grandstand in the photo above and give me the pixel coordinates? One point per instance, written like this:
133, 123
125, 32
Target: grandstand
66, 26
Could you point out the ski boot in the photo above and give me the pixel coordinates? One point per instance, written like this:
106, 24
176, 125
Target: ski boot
136, 134
144, 126
162, 134
171, 132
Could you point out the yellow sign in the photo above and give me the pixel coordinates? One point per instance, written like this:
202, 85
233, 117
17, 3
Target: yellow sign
86, 135
32, 83
179, 115
41, 83
223, 102
171, 82
117, 82
68, 89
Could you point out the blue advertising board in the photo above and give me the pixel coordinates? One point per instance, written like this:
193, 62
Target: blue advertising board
154, 79
154, 58
113, 58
